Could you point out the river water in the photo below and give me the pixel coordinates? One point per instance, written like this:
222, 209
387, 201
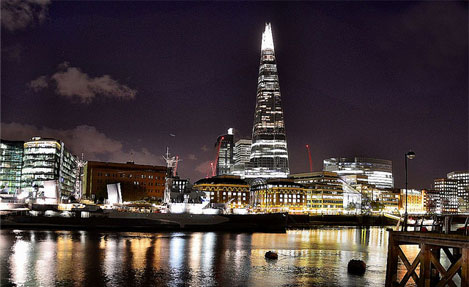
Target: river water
313, 257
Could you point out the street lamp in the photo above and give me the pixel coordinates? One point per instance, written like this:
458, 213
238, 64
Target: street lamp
409, 155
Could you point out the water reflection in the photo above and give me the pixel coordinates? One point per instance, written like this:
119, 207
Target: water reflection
315, 257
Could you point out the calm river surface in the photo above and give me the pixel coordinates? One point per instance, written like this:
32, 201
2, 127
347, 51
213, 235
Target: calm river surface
315, 257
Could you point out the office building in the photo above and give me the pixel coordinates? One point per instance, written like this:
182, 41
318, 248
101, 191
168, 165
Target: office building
378, 172
463, 188
269, 154
137, 181
325, 193
48, 160
431, 201
414, 199
225, 146
278, 195
242, 152
11, 162
448, 190
227, 190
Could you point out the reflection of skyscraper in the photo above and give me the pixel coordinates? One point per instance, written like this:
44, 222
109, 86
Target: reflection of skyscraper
269, 155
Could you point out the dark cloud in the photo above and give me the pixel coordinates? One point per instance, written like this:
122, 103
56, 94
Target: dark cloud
72, 83
19, 14
86, 140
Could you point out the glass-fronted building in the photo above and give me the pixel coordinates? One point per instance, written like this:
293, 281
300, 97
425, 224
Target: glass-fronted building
48, 160
242, 152
269, 154
448, 190
378, 172
225, 148
11, 162
463, 188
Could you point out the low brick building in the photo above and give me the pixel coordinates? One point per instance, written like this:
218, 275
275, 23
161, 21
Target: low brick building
137, 181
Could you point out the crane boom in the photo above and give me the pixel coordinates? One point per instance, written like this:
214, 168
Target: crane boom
309, 156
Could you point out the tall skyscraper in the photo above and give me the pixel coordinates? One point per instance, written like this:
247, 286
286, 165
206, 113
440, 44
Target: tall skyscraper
225, 148
269, 154
241, 155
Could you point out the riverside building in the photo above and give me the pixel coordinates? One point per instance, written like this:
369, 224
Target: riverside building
278, 195
11, 162
269, 154
137, 181
378, 172
325, 193
226, 189
414, 199
48, 160
463, 188
448, 190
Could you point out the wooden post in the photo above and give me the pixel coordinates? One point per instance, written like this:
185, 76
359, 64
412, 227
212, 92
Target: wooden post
425, 269
465, 268
434, 274
391, 268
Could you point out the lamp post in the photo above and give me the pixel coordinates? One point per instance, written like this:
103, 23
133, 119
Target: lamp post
409, 155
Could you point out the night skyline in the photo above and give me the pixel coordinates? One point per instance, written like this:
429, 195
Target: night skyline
357, 79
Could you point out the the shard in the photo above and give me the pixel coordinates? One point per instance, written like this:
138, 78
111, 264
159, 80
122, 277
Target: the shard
269, 154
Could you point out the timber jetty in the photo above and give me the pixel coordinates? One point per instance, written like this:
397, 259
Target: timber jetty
440, 241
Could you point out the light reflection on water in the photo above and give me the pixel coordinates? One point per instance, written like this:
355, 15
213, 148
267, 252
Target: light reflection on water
316, 257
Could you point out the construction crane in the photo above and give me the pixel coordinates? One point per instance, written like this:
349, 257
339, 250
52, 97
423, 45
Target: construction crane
310, 161
214, 167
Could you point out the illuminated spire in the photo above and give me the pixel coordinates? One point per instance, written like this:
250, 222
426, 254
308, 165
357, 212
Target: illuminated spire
267, 40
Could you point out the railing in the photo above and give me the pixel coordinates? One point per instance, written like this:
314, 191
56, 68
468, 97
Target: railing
439, 223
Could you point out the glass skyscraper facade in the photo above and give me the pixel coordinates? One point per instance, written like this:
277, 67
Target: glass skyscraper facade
225, 146
378, 172
448, 190
241, 155
45, 160
463, 188
269, 155
11, 161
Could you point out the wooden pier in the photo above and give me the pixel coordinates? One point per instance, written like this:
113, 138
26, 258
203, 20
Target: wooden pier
432, 247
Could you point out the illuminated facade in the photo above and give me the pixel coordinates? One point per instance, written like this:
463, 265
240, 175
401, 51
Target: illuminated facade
390, 198
226, 189
463, 188
377, 171
431, 201
225, 146
137, 181
11, 162
448, 189
269, 155
415, 201
242, 152
46, 160
324, 193
279, 195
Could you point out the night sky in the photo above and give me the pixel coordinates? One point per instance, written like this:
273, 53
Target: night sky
114, 80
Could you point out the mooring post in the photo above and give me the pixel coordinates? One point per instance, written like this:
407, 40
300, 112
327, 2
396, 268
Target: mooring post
465, 268
435, 274
391, 268
424, 280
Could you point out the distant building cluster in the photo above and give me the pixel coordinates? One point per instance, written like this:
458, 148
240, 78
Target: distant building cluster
246, 173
